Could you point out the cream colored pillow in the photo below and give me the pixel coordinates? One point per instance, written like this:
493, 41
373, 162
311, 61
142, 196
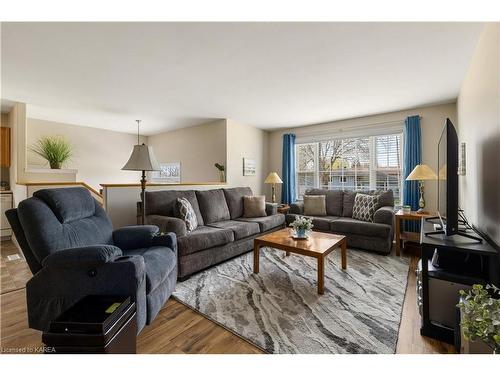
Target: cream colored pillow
315, 205
254, 206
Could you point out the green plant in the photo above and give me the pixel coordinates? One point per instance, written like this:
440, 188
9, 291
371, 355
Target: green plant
220, 167
302, 223
55, 149
480, 313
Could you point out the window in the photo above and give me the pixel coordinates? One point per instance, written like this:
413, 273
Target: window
357, 163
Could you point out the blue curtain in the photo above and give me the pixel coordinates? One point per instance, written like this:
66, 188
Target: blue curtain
412, 155
288, 170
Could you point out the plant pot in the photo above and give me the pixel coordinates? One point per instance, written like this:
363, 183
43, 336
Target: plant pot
55, 165
301, 233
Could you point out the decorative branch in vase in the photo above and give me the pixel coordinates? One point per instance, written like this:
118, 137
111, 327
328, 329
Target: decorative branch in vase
55, 150
222, 170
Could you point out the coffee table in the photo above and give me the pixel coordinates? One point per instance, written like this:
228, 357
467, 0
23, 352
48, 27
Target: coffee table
318, 246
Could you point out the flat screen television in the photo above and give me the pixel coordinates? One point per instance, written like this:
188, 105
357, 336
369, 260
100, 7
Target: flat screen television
448, 179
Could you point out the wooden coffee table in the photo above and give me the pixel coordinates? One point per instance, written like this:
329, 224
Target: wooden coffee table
318, 246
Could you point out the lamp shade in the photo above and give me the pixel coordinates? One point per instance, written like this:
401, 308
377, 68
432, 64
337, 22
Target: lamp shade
273, 178
421, 172
142, 159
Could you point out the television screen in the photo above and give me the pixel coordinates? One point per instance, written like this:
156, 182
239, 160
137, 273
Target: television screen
442, 174
448, 178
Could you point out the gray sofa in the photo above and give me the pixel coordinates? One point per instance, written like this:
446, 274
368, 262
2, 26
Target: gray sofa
72, 251
222, 232
376, 236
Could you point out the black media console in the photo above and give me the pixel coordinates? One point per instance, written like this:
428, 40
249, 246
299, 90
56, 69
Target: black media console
463, 262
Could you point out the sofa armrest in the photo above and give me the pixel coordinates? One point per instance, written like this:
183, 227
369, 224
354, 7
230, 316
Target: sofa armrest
297, 208
83, 257
166, 239
134, 236
384, 215
271, 208
168, 224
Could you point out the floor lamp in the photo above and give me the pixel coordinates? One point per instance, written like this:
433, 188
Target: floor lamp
142, 159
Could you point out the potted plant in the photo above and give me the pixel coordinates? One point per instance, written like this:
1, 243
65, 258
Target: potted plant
221, 169
55, 149
480, 315
302, 225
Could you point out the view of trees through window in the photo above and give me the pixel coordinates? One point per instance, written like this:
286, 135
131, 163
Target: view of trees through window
361, 163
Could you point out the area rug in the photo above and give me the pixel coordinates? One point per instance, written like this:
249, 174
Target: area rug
280, 311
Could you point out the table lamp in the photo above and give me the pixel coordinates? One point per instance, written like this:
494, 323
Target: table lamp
142, 159
273, 179
420, 173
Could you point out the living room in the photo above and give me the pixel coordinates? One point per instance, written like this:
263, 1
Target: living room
251, 188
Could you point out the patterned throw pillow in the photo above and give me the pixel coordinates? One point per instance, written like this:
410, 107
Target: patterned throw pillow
364, 207
185, 212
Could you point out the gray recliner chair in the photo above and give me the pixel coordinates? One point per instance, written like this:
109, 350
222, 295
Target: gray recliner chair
72, 251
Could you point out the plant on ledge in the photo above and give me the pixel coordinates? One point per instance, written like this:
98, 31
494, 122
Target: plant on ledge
55, 149
480, 312
302, 225
221, 169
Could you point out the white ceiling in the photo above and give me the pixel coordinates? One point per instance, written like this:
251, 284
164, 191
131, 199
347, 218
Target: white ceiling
269, 75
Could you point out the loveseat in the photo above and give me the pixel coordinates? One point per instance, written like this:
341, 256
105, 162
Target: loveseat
375, 236
222, 231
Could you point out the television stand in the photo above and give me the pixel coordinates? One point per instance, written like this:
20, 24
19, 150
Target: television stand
459, 233
439, 286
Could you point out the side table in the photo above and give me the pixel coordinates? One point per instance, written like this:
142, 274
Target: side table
399, 217
283, 209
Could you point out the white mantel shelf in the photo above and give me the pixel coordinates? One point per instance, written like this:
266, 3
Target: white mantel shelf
51, 171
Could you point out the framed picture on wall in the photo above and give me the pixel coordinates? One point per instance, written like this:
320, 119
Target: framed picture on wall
169, 173
248, 167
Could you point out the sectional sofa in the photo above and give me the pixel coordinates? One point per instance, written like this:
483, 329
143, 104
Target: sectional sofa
223, 232
374, 236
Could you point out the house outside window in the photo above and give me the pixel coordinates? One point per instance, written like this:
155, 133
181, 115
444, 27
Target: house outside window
351, 163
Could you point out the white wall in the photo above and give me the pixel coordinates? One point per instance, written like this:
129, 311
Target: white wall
478, 110
244, 141
197, 148
432, 121
98, 156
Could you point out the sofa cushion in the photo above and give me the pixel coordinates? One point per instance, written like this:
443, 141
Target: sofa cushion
68, 204
203, 238
348, 203
364, 207
333, 200
213, 205
346, 225
315, 205
321, 223
159, 261
163, 202
240, 229
254, 206
234, 200
267, 222
385, 198
184, 211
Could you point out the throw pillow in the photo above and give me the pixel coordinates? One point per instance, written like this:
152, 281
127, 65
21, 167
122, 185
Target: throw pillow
315, 205
184, 211
364, 207
254, 206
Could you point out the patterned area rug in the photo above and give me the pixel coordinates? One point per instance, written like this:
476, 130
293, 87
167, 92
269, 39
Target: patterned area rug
280, 311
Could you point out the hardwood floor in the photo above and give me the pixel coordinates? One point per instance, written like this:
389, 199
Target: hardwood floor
177, 329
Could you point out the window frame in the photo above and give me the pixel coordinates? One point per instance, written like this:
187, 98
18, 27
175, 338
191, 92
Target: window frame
372, 165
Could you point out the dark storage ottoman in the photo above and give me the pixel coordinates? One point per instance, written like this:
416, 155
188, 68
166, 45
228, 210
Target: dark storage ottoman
95, 324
